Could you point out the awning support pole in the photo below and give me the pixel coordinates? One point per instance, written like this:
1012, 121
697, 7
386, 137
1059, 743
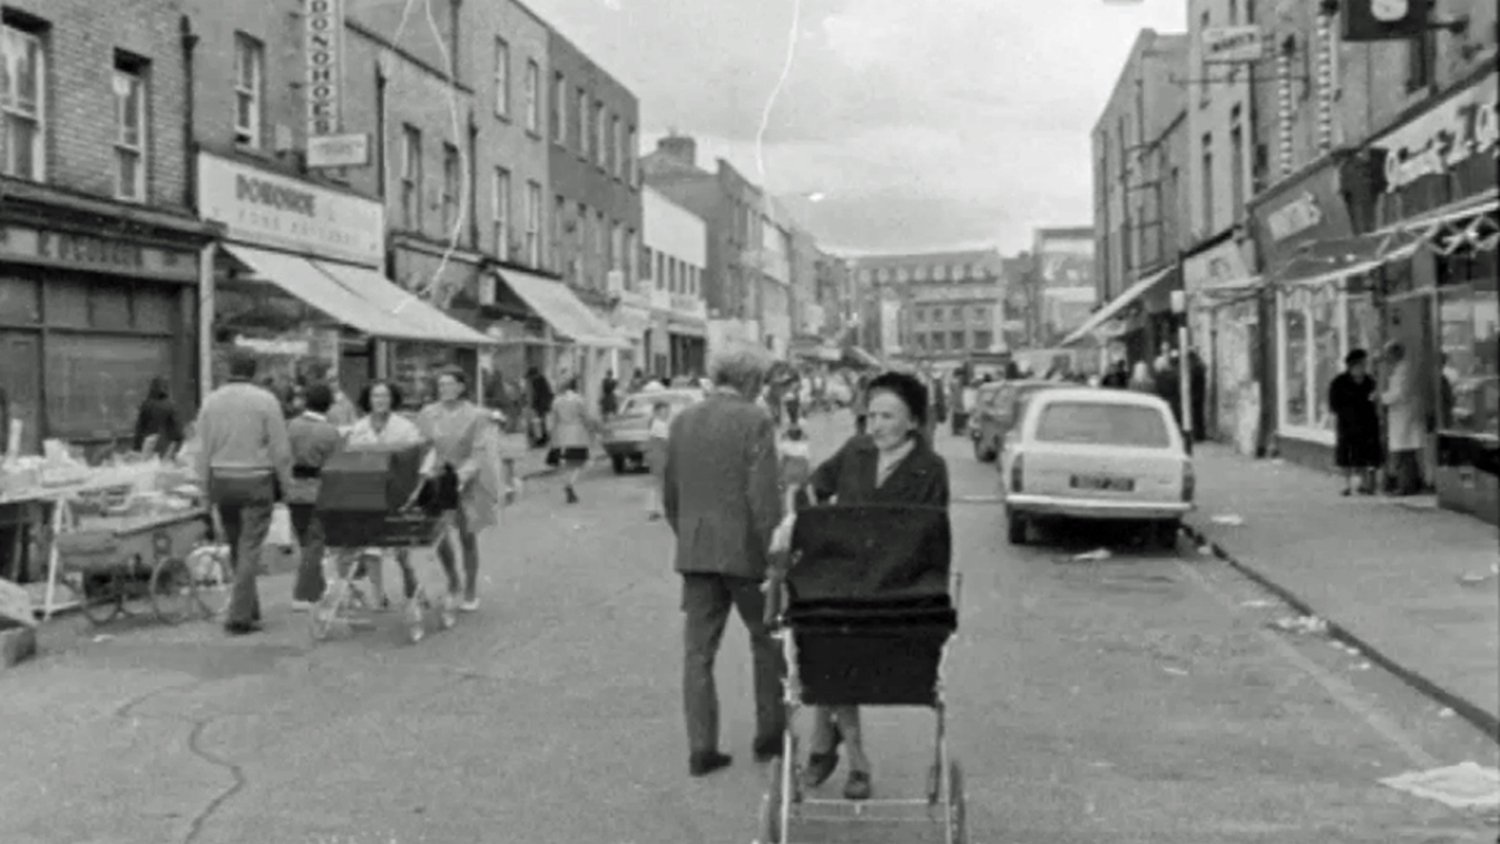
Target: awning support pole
206, 310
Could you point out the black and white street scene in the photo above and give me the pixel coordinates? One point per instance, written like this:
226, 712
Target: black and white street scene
790, 422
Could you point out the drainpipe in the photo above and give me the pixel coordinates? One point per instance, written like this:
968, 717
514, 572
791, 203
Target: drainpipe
189, 141
380, 348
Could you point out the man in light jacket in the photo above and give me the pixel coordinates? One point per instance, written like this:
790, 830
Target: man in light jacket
245, 466
720, 493
1403, 422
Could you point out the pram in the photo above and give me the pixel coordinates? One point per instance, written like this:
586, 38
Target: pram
371, 503
864, 610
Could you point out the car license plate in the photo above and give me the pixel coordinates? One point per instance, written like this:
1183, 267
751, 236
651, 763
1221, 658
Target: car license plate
1103, 483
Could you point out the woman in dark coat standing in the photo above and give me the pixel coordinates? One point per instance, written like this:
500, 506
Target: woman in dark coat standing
1351, 399
158, 416
892, 464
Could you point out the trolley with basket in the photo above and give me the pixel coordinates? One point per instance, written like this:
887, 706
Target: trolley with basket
865, 610
374, 502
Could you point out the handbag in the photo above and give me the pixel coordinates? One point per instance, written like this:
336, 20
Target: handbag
554, 456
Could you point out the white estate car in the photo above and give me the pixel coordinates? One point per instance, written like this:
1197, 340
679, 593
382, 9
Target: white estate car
1090, 453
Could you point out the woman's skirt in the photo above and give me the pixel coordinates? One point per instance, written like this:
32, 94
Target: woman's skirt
575, 456
1359, 450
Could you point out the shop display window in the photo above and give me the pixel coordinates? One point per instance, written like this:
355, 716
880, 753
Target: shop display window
96, 383
18, 301
1363, 323
1294, 355
415, 367
1327, 357
1470, 337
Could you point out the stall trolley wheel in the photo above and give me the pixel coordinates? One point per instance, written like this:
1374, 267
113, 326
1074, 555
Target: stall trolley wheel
102, 595
174, 591
957, 832
770, 807
416, 617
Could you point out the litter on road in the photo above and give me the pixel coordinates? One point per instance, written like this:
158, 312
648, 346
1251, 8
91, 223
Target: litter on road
1463, 786
1096, 554
1258, 602
1177, 671
1228, 519
1306, 624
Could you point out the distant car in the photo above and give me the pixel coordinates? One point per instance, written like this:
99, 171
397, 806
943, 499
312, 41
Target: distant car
1081, 453
998, 415
626, 432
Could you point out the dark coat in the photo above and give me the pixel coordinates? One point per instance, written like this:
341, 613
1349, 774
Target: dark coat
849, 475
159, 417
1356, 421
720, 487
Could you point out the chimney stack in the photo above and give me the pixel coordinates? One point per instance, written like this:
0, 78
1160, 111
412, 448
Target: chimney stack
680, 148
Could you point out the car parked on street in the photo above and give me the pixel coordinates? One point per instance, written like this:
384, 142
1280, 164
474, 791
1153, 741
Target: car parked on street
1090, 454
998, 414
626, 432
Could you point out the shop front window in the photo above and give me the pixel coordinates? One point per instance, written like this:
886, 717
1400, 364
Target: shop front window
1470, 387
96, 383
1363, 323
416, 366
1327, 359
1294, 355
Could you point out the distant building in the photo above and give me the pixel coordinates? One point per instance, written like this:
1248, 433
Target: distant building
949, 304
672, 268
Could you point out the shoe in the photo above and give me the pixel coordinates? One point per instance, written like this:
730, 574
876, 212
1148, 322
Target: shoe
858, 786
243, 628
820, 766
469, 605
703, 764
572, 497
767, 748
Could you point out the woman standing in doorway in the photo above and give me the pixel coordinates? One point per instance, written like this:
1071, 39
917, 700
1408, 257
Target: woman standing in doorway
463, 438
1351, 398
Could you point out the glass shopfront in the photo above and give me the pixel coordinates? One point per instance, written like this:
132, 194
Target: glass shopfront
1319, 326
1469, 331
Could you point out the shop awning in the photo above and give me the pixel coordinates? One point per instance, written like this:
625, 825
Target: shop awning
560, 308
686, 328
1113, 308
431, 325
1328, 261
1469, 222
300, 278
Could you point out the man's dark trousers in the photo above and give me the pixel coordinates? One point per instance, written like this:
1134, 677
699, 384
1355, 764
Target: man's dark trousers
247, 521
706, 601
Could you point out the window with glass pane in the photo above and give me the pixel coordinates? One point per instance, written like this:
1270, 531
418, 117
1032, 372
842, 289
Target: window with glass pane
452, 169
18, 301
500, 202
630, 153
23, 75
502, 78
1327, 359
939, 341
557, 109
1470, 387
533, 96
249, 70
601, 128
1295, 354
96, 383
130, 137
533, 223
1362, 324
956, 338
983, 340
411, 176
581, 101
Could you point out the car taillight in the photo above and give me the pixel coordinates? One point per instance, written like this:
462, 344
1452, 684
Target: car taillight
1189, 482
1017, 471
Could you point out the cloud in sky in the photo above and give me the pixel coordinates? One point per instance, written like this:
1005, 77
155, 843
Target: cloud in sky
926, 124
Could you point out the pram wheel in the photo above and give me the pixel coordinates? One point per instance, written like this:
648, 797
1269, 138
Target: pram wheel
325, 615
448, 611
957, 830
770, 807
416, 619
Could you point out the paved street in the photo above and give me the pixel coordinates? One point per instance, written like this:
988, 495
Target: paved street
1134, 699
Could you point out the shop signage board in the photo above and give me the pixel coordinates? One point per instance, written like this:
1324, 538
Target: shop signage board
1232, 44
351, 150
1218, 265
91, 253
258, 207
1383, 20
1433, 144
324, 41
1300, 214
1309, 209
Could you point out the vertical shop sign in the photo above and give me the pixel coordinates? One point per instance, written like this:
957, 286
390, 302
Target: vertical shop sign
324, 48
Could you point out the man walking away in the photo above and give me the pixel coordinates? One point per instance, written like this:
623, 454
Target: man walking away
720, 493
245, 465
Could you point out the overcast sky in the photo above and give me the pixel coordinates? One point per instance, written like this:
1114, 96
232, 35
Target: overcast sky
925, 123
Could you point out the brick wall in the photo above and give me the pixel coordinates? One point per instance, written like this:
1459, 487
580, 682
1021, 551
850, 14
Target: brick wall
81, 40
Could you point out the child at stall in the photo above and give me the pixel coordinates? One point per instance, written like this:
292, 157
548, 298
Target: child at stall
656, 455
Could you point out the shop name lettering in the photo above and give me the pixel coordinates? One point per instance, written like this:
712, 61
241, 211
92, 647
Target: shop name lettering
280, 197
81, 249
324, 24
1452, 134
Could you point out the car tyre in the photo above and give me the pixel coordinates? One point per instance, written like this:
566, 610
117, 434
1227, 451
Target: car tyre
1165, 534
1016, 527
618, 461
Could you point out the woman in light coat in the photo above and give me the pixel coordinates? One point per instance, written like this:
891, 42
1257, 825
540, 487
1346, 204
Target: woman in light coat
1403, 423
464, 438
572, 434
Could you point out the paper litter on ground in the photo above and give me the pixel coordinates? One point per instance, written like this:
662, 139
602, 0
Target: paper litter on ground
1301, 624
1258, 602
1228, 519
1462, 786
1096, 554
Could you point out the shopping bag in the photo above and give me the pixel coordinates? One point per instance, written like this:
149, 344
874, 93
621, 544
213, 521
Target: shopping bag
554, 456
280, 534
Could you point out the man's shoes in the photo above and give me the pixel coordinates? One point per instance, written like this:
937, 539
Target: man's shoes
767, 748
243, 628
703, 764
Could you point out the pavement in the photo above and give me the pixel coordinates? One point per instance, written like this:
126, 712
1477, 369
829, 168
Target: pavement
1135, 699
1413, 587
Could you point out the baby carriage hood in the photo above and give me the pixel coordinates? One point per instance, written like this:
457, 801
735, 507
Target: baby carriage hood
871, 554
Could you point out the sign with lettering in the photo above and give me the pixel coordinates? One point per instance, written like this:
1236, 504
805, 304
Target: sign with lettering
339, 150
1232, 44
263, 208
1219, 265
324, 21
1297, 216
91, 253
1461, 126
1383, 20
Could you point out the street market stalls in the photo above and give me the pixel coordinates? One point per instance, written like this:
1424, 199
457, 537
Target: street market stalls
298, 281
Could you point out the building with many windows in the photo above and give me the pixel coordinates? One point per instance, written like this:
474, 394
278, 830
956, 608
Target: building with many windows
947, 304
100, 255
672, 270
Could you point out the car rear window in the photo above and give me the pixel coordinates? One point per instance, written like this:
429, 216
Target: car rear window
1101, 423
641, 405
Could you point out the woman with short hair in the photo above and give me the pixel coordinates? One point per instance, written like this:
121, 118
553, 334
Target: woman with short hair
464, 439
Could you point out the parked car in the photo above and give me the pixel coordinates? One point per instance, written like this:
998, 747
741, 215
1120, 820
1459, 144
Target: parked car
999, 414
1114, 455
626, 432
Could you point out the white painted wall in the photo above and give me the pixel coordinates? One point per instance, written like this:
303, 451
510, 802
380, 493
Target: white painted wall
674, 230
